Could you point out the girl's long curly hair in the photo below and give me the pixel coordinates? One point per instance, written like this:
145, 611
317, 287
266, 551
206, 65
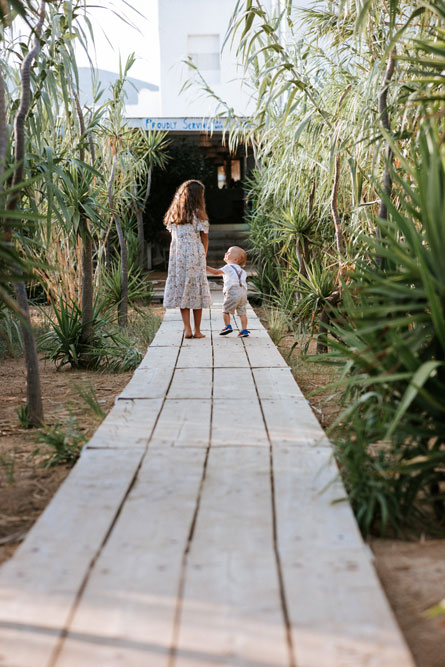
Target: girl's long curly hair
187, 202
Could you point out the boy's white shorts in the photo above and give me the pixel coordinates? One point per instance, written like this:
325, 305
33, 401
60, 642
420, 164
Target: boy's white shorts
235, 298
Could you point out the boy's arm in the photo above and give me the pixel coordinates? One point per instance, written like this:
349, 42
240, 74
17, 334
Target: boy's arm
214, 272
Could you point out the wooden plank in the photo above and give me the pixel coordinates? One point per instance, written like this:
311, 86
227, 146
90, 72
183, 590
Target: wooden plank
231, 383
231, 611
159, 356
183, 423
167, 337
135, 582
128, 424
217, 324
238, 423
175, 314
276, 383
253, 322
291, 422
261, 334
191, 383
338, 611
148, 383
199, 342
195, 356
229, 352
172, 314
39, 585
264, 356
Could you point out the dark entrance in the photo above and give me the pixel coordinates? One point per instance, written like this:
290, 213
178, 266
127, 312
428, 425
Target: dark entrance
204, 157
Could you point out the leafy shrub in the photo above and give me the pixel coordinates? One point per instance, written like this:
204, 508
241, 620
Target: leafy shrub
393, 337
112, 348
23, 416
62, 342
63, 444
10, 338
139, 290
143, 327
89, 395
116, 351
7, 464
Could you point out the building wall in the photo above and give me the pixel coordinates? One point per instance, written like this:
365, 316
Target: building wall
177, 21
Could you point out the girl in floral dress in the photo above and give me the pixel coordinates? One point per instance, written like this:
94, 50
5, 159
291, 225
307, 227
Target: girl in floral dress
187, 287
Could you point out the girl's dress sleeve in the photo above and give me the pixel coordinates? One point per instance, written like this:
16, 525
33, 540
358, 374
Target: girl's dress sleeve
169, 225
202, 225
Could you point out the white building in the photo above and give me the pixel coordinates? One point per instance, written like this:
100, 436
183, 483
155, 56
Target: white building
195, 30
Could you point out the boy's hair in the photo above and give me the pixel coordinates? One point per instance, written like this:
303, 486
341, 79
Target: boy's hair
187, 202
241, 255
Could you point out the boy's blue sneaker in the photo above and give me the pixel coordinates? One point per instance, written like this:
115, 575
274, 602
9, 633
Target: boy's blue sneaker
244, 333
228, 329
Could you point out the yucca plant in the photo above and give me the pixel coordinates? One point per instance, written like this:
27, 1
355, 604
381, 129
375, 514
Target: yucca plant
111, 349
62, 343
139, 289
62, 444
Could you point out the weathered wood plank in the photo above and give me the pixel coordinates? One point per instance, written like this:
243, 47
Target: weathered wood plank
338, 612
290, 421
135, 581
264, 356
231, 383
217, 325
195, 356
128, 424
191, 383
238, 423
148, 383
199, 342
167, 336
39, 585
175, 314
231, 611
229, 353
253, 322
155, 357
183, 423
276, 383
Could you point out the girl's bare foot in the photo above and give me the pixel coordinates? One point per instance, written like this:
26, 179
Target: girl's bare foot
198, 334
188, 333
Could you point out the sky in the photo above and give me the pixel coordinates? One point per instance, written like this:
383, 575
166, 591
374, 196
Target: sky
113, 36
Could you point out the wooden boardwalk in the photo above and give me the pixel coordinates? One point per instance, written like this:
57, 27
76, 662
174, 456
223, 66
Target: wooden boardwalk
198, 529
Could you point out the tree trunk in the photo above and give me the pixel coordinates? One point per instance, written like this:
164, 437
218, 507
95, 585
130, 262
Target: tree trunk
322, 338
122, 312
140, 223
33, 390
337, 224
87, 336
384, 118
325, 318
3, 130
22, 112
34, 393
87, 291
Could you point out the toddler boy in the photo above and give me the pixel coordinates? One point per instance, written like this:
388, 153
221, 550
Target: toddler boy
234, 290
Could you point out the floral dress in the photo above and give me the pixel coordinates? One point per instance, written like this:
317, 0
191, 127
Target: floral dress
187, 285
